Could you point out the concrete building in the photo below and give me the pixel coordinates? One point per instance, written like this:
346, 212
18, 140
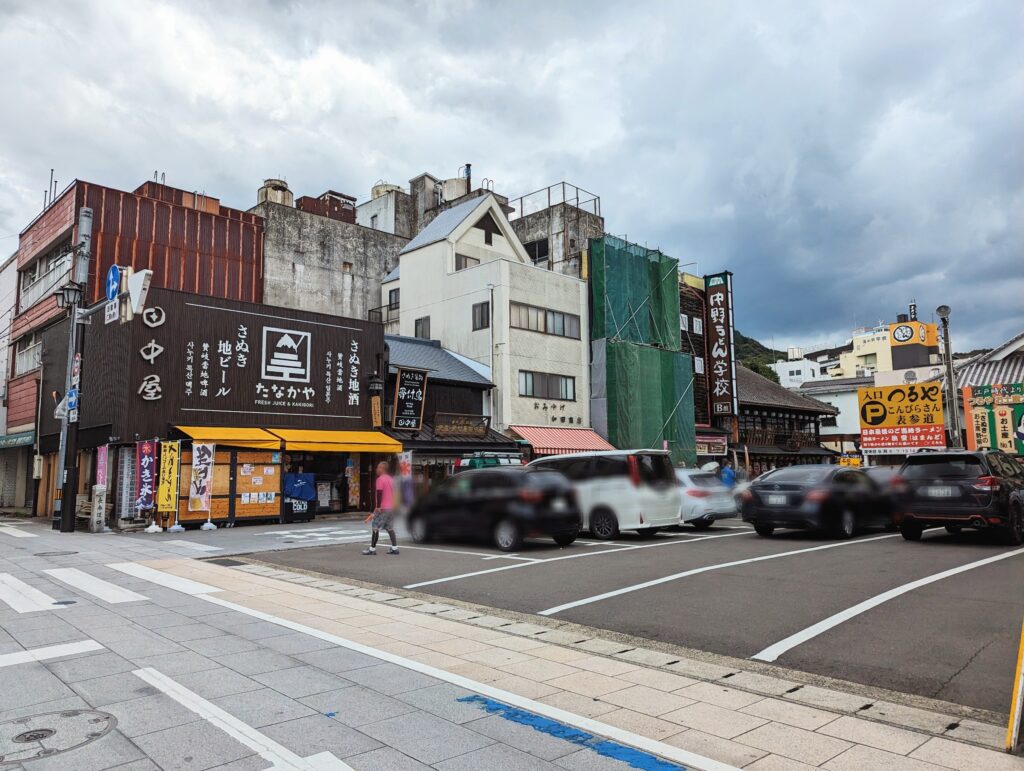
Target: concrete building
16, 487
840, 432
555, 225
466, 281
316, 255
797, 369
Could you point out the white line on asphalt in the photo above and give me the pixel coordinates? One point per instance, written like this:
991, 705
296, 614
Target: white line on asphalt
772, 652
277, 754
15, 532
590, 725
22, 597
569, 557
705, 569
485, 555
97, 587
186, 585
196, 546
49, 652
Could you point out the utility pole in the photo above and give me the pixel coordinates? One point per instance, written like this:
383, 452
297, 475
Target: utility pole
952, 393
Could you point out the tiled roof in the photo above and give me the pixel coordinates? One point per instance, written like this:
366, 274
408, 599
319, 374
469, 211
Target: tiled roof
416, 353
444, 224
1003, 364
755, 389
392, 276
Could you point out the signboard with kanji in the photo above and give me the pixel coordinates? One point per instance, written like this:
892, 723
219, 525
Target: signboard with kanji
721, 349
901, 419
995, 417
410, 391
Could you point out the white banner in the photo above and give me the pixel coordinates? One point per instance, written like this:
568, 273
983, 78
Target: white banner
200, 488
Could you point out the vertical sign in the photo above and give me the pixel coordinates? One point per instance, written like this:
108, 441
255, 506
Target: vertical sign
995, 417
721, 371
200, 487
167, 490
375, 411
102, 453
410, 390
145, 474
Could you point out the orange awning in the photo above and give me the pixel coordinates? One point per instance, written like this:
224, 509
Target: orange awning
252, 438
559, 441
308, 440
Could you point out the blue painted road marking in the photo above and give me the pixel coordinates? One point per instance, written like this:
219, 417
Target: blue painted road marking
609, 749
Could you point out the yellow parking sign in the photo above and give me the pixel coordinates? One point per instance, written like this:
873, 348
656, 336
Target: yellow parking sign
901, 418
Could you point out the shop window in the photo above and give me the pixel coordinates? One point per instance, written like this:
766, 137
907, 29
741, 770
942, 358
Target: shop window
481, 316
28, 353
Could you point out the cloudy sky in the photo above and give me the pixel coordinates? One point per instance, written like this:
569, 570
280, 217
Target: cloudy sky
840, 158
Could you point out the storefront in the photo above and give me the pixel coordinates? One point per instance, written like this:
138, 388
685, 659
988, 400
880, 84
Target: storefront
209, 408
712, 446
16, 471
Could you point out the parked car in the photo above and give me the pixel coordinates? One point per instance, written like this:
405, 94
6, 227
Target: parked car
704, 500
957, 489
504, 503
621, 489
815, 497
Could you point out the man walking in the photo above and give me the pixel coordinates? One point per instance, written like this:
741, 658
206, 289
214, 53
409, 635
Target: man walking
384, 512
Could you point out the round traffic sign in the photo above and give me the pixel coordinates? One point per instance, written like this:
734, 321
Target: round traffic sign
113, 284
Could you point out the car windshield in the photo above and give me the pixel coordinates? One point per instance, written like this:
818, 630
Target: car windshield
881, 474
943, 467
801, 475
705, 480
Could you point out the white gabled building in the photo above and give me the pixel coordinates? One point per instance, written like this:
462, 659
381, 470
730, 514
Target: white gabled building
466, 281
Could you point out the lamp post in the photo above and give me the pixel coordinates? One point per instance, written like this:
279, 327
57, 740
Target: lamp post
952, 394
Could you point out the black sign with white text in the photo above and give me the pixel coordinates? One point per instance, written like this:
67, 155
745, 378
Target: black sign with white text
410, 390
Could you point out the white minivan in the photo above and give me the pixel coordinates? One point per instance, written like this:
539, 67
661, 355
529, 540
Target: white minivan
621, 489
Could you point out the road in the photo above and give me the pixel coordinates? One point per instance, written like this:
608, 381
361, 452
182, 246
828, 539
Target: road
938, 619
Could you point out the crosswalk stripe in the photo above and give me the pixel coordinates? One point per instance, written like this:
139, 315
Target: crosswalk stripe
15, 532
186, 585
97, 587
21, 597
49, 652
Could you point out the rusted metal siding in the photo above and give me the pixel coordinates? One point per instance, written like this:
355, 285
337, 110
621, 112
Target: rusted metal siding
22, 399
52, 224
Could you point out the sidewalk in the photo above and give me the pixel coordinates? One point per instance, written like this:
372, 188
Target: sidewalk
738, 718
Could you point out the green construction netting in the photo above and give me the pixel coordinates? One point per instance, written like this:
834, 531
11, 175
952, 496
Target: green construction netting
649, 395
635, 293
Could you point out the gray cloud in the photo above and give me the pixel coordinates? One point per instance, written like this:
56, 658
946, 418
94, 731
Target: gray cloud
841, 159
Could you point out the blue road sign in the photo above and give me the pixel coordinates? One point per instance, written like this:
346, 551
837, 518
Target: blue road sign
73, 399
113, 284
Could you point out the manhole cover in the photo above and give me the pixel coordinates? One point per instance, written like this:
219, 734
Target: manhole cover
51, 733
55, 553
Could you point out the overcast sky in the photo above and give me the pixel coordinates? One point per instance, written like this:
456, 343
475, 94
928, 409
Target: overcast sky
840, 158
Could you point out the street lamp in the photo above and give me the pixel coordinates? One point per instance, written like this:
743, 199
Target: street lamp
69, 295
375, 385
952, 394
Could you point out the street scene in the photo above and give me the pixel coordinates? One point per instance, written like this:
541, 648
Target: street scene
458, 386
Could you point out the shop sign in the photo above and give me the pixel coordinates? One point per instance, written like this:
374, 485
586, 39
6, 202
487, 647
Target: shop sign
200, 487
24, 439
995, 417
718, 332
102, 454
452, 424
852, 461
898, 419
375, 412
712, 445
145, 474
167, 490
410, 392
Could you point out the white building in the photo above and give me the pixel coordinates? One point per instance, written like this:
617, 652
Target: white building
842, 433
466, 281
797, 371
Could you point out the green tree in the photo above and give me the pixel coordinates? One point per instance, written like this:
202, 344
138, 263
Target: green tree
762, 369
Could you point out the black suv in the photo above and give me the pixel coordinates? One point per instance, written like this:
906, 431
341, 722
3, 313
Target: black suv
957, 489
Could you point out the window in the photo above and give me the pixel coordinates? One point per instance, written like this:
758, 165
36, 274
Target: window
28, 353
698, 365
373, 221
481, 316
393, 298
538, 250
545, 386
698, 326
540, 320
462, 262
422, 328
43, 275
684, 322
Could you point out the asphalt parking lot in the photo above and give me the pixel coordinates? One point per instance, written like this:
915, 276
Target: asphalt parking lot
940, 618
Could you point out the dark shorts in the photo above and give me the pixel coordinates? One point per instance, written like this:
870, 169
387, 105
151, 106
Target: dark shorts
383, 520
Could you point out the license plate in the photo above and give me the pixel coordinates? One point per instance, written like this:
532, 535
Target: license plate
558, 505
776, 500
939, 492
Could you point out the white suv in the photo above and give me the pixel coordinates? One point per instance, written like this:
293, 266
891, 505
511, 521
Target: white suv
621, 489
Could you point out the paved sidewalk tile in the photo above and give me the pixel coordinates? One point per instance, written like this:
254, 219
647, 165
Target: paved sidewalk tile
191, 747
795, 743
522, 737
337, 659
301, 681
390, 678
882, 737
715, 747
214, 683
539, 669
530, 689
638, 723
357, 706
111, 689
588, 760
426, 738
385, 759
588, 683
834, 700
649, 701
710, 719
797, 715
495, 758
257, 662
98, 664
148, 714
317, 733
778, 763
859, 758
586, 706
661, 680
964, 757
719, 695
443, 700
109, 751
262, 707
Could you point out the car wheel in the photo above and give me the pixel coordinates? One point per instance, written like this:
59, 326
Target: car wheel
764, 530
564, 539
702, 523
1014, 534
603, 525
954, 529
418, 530
846, 524
911, 531
507, 535
648, 532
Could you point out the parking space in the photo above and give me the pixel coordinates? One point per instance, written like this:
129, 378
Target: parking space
937, 618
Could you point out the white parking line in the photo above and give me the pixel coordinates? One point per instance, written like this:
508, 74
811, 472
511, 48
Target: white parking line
21, 597
705, 569
674, 542
49, 652
186, 585
772, 652
485, 555
97, 587
15, 532
276, 754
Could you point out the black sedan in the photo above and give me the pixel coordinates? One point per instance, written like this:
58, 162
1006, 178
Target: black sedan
504, 504
831, 498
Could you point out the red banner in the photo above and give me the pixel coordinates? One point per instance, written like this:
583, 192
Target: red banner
145, 474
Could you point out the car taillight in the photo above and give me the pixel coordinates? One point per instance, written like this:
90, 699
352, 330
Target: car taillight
816, 495
746, 495
987, 484
634, 470
529, 495
698, 493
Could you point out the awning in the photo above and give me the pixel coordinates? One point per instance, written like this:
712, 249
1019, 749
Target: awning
336, 441
23, 439
253, 438
558, 441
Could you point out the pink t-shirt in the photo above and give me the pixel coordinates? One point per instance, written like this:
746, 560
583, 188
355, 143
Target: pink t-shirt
386, 489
